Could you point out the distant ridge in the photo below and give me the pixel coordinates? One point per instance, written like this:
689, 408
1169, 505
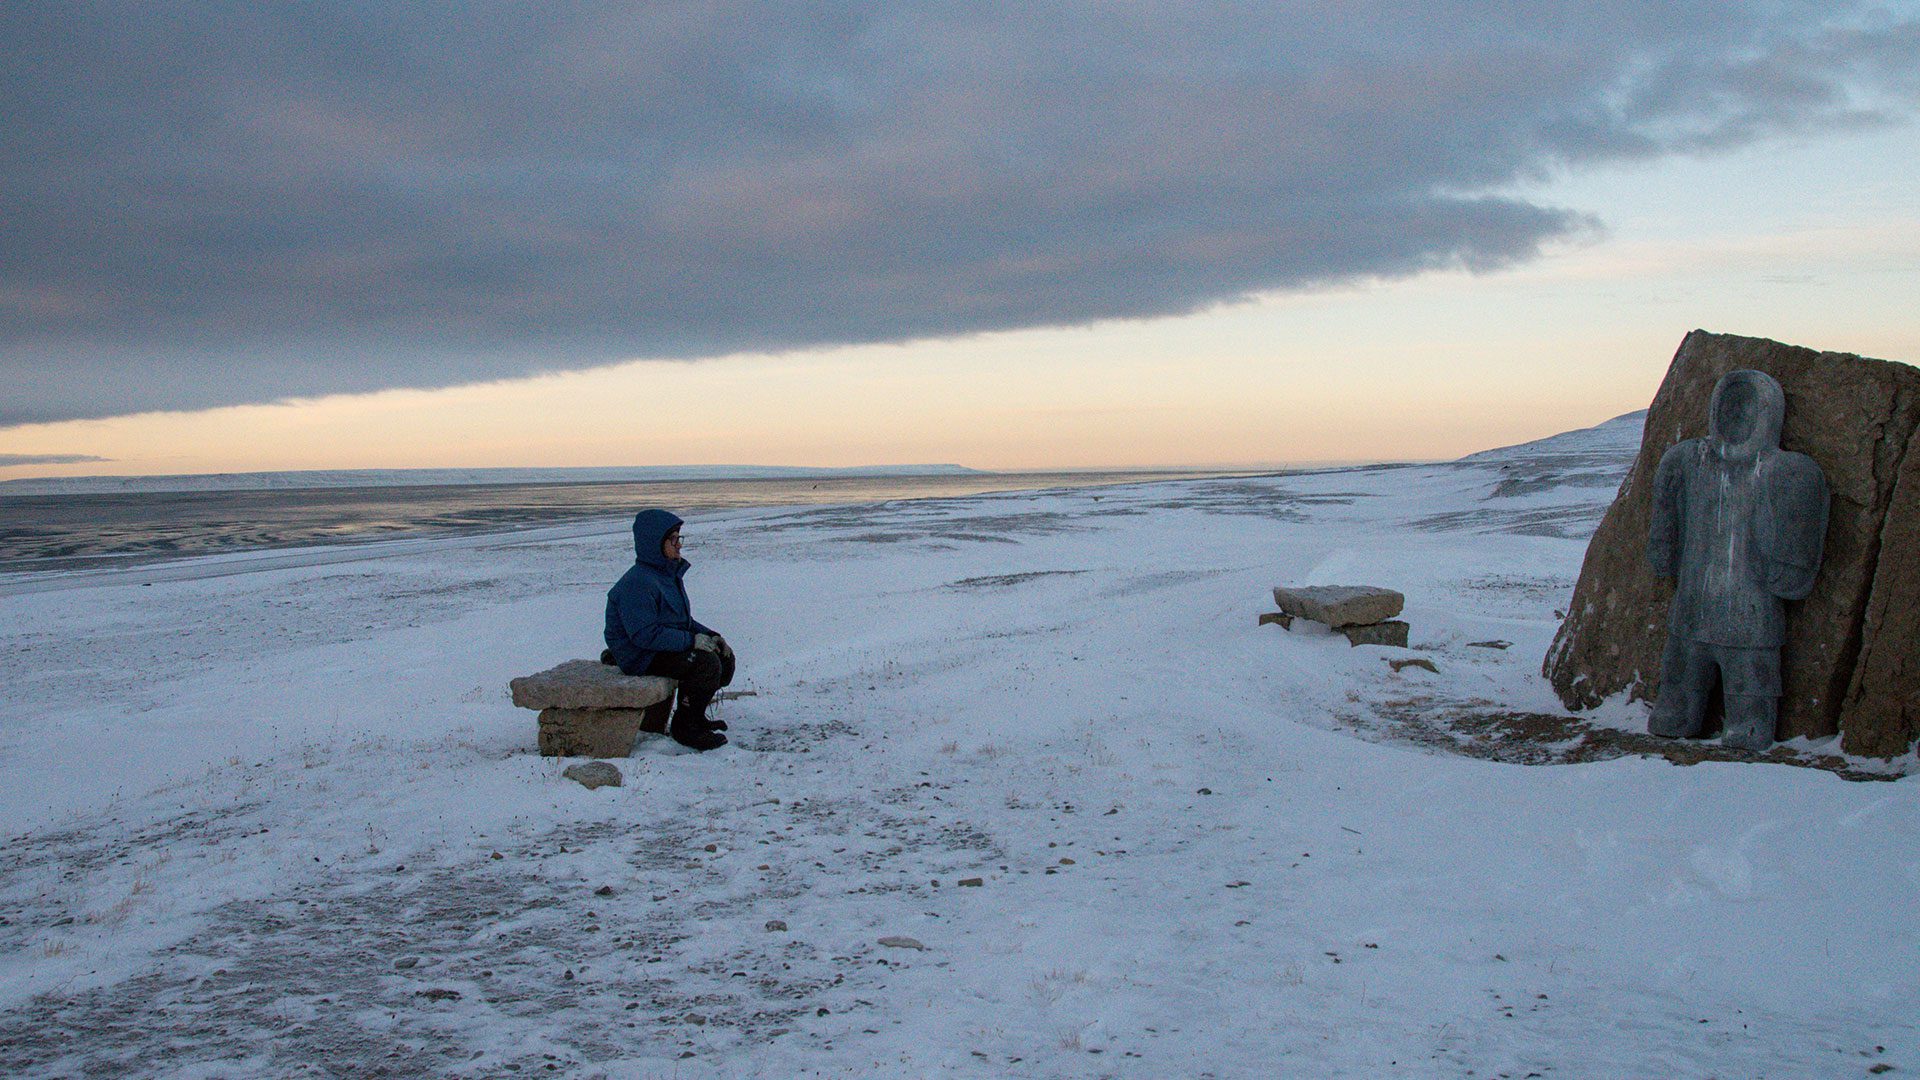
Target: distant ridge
1620, 435
351, 478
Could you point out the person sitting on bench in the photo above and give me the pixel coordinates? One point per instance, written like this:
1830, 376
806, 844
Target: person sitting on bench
651, 630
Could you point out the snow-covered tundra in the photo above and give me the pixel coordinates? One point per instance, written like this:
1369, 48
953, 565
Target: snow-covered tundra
1017, 788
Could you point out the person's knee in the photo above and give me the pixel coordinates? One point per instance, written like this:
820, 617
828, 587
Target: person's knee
705, 669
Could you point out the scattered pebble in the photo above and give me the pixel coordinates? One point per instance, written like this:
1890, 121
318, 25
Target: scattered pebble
604, 890
896, 941
776, 926
406, 962
971, 882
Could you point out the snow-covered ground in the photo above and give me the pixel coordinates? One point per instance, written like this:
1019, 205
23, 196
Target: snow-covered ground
272, 816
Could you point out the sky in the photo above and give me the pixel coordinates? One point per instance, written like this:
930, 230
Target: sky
258, 236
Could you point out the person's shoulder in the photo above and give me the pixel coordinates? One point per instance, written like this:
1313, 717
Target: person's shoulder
637, 576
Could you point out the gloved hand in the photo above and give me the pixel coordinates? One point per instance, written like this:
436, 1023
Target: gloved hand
706, 643
726, 650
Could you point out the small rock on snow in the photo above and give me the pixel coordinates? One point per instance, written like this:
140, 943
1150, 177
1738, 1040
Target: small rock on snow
594, 774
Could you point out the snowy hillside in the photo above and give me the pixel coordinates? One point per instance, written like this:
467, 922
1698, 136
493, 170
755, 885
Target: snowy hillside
276, 816
1617, 439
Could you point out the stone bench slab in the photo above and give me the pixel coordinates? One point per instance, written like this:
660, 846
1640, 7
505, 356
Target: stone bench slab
1339, 605
590, 684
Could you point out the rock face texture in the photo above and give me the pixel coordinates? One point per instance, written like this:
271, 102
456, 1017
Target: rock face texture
1849, 662
1339, 605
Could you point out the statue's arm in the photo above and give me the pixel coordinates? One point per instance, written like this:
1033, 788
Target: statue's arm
1791, 525
1663, 531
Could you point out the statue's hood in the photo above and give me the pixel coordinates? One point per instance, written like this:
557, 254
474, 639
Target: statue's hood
1757, 394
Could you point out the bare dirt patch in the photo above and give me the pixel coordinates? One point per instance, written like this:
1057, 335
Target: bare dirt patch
1483, 730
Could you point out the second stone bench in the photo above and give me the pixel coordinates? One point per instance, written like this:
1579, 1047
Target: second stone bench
1364, 613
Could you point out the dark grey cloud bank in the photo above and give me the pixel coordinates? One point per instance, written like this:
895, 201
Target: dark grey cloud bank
213, 203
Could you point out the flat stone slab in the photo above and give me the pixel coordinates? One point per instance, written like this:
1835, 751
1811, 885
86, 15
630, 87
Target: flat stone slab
1339, 605
589, 684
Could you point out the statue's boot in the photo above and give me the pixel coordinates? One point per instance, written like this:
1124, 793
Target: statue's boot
1672, 722
1687, 675
1750, 721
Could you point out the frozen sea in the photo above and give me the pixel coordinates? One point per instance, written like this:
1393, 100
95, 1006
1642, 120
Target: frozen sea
1018, 788
89, 527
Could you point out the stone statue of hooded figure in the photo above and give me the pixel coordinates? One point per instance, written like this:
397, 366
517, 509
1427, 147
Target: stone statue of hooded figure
1739, 524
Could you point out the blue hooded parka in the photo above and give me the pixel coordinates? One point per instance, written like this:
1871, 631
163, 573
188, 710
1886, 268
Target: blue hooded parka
647, 609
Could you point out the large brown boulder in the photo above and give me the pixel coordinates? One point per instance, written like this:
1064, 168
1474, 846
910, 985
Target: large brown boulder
1851, 663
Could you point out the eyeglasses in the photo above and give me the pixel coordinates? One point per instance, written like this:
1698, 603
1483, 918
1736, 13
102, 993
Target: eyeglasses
673, 538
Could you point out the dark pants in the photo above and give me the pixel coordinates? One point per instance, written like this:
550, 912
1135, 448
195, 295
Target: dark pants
701, 675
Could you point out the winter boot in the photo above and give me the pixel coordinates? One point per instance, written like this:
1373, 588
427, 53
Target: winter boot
691, 729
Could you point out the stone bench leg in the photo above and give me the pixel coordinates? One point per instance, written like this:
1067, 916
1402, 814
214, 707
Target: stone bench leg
1391, 632
598, 733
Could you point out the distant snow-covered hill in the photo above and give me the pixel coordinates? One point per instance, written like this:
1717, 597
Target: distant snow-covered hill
1598, 457
347, 478
1618, 437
